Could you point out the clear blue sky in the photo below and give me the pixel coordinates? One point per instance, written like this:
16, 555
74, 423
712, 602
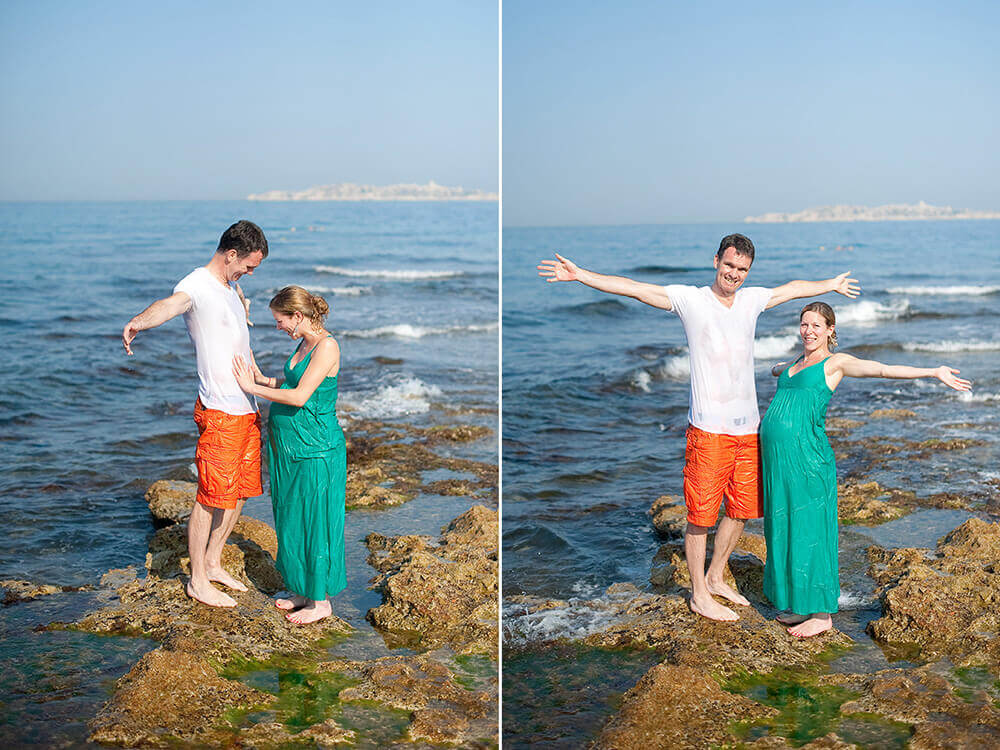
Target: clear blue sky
214, 100
647, 112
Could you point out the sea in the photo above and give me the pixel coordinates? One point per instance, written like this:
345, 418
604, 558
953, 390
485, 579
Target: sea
85, 429
595, 401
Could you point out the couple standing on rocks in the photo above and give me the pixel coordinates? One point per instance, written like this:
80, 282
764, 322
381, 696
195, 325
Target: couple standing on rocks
307, 452
788, 476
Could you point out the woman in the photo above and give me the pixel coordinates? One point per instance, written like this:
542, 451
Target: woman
306, 457
799, 478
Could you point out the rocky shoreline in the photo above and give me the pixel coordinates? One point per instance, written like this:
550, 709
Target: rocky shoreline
439, 601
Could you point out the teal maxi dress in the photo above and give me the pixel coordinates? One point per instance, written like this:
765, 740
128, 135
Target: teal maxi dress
307, 458
799, 481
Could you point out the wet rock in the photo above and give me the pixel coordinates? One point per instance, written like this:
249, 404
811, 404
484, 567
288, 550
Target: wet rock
170, 697
248, 555
835, 425
676, 707
892, 414
171, 500
15, 591
827, 742
669, 516
463, 433
443, 711
947, 601
870, 504
440, 593
327, 734
159, 608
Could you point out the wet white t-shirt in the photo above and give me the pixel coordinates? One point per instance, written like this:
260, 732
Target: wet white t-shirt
217, 325
720, 342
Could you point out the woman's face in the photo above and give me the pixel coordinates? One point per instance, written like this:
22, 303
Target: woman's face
814, 331
290, 324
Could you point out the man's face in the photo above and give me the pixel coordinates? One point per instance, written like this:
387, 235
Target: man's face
731, 270
236, 266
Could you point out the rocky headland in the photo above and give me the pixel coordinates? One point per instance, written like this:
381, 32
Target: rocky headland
349, 191
893, 212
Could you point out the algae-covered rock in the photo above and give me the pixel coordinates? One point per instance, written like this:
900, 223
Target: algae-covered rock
674, 707
870, 504
444, 592
947, 601
15, 591
893, 414
669, 516
171, 697
171, 500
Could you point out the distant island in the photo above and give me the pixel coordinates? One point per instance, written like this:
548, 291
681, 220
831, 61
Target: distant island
894, 212
348, 191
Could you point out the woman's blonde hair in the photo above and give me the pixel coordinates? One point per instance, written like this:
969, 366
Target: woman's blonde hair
827, 312
293, 299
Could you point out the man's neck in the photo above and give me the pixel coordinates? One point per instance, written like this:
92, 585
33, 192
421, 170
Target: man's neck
217, 267
725, 299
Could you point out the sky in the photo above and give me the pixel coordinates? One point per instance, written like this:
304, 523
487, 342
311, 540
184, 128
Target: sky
215, 100
658, 112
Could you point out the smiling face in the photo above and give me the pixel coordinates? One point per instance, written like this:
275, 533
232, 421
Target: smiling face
237, 267
730, 271
290, 324
814, 331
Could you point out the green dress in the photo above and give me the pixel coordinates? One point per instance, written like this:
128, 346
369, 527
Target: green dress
307, 458
799, 480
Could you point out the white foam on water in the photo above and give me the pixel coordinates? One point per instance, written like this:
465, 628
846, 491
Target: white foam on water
408, 331
409, 396
342, 291
970, 290
575, 620
405, 274
975, 398
675, 368
952, 346
849, 600
772, 347
641, 380
868, 312
193, 468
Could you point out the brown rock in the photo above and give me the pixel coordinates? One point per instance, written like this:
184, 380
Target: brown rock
669, 516
893, 414
870, 504
171, 500
171, 696
675, 707
22, 591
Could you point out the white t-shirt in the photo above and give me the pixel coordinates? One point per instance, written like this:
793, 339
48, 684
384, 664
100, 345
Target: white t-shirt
720, 342
217, 325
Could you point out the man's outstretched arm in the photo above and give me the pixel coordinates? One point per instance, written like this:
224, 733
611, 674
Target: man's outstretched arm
842, 284
156, 314
564, 269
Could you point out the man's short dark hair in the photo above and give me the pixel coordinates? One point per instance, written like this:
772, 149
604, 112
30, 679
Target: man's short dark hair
740, 243
245, 238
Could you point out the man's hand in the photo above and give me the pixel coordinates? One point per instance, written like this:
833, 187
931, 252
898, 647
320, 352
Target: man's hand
559, 270
128, 334
156, 314
847, 286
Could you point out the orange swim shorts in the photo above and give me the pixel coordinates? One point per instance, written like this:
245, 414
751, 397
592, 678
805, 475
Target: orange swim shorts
227, 457
717, 466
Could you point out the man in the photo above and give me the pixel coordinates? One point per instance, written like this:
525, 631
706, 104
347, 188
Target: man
721, 457
228, 452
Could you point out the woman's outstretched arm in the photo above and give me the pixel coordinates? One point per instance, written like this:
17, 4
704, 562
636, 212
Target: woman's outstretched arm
852, 367
325, 362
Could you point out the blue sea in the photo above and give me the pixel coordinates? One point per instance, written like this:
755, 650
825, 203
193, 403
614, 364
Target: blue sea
595, 400
413, 295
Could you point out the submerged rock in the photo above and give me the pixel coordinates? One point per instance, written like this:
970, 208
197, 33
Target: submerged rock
440, 593
947, 601
676, 707
15, 591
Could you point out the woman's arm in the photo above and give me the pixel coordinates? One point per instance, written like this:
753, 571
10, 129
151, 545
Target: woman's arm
260, 378
325, 362
779, 368
852, 367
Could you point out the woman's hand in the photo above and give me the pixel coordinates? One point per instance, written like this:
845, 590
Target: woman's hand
244, 374
558, 270
947, 376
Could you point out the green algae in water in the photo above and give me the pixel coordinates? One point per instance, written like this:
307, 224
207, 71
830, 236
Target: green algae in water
475, 671
808, 709
974, 680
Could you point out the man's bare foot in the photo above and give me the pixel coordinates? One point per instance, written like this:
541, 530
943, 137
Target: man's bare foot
711, 609
312, 612
295, 602
209, 595
818, 623
723, 589
790, 618
219, 575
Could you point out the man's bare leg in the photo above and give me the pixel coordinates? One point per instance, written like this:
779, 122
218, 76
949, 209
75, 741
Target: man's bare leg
726, 538
199, 529
702, 602
216, 541
818, 623
312, 612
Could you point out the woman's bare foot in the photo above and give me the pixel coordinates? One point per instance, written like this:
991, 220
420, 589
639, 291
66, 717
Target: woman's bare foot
209, 595
219, 575
820, 622
294, 602
708, 607
723, 589
790, 618
312, 612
